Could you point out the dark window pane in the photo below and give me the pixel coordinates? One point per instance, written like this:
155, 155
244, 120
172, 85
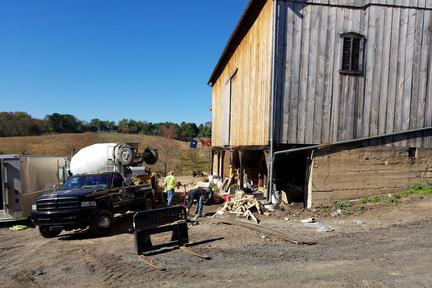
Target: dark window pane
352, 61
355, 57
346, 57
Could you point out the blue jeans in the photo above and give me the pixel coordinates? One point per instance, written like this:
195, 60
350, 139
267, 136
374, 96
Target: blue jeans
170, 197
200, 206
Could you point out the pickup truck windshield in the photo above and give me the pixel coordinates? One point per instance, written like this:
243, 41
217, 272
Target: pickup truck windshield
87, 181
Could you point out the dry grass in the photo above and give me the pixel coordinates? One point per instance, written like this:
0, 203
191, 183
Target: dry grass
181, 158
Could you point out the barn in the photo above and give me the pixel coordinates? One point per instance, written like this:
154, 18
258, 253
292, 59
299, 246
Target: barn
326, 99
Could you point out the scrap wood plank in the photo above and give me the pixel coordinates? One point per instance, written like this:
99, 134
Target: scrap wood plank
150, 262
227, 185
268, 231
250, 205
193, 252
252, 216
248, 214
258, 206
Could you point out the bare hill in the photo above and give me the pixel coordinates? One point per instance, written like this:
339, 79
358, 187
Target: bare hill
176, 154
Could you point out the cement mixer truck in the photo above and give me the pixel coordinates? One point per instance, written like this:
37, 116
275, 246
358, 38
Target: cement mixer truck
105, 179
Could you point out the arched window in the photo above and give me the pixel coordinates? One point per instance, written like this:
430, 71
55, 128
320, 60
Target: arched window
352, 53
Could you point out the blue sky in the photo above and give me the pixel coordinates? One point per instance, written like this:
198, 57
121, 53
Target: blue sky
139, 59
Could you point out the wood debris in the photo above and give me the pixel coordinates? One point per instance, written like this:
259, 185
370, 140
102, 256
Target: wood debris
243, 205
150, 262
188, 250
270, 232
185, 249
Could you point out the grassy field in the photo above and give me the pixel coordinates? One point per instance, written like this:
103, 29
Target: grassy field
176, 154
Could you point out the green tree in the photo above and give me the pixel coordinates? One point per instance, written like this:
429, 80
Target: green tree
148, 128
110, 126
70, 123
62, 123
188, 131
20, 124
123, 125
133, 126
205, 130
54, 123
93, 125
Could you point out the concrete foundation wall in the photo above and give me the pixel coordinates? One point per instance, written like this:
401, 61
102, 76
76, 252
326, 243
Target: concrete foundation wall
349, 174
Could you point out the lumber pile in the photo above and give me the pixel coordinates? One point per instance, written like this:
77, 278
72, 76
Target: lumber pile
243, 205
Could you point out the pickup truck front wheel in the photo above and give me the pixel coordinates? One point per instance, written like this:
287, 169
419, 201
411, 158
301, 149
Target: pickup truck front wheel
102, 223
46, 232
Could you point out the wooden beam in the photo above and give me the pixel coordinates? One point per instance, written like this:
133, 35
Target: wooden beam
150, 262
193, 252
268, 231
242, 147
221, 175
240, 153
211, 162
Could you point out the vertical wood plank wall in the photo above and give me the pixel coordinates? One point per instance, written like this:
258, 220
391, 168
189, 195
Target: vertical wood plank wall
250, 87
319, 105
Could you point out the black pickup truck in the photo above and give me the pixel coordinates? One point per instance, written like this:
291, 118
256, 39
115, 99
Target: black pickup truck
89, 200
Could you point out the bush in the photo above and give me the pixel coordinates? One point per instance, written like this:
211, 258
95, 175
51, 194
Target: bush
341, 204
417, 189
375, 198
392, 200
362, 201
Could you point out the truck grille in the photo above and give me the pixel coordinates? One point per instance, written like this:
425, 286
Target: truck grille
57, 204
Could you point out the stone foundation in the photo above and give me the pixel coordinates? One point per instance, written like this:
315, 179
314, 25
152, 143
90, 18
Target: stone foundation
341, 173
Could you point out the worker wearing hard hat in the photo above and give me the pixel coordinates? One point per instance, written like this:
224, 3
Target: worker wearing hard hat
170, 183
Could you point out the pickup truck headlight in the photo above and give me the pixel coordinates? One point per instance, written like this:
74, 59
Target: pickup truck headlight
88, 204
34, 208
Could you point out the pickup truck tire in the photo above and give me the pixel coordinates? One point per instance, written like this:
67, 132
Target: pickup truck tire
102, 223
47, 233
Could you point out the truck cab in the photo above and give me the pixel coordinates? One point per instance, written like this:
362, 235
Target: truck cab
89, 200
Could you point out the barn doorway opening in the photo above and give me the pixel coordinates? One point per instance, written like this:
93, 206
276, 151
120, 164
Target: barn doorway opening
250, 166
255, 168
291, 176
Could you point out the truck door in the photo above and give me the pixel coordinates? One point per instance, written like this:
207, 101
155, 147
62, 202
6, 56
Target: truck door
121, 194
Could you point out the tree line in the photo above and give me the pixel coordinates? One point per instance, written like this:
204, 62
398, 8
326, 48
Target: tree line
22, 124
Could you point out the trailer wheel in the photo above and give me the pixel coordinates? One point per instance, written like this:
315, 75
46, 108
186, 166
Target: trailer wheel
46, 232
102, 223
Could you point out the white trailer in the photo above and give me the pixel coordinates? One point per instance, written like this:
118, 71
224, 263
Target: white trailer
25, 177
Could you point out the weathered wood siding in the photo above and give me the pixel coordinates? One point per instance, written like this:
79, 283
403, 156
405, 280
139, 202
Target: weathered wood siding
250, 87
316, 104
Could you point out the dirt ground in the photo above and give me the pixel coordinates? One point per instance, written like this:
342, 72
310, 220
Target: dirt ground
388, 246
